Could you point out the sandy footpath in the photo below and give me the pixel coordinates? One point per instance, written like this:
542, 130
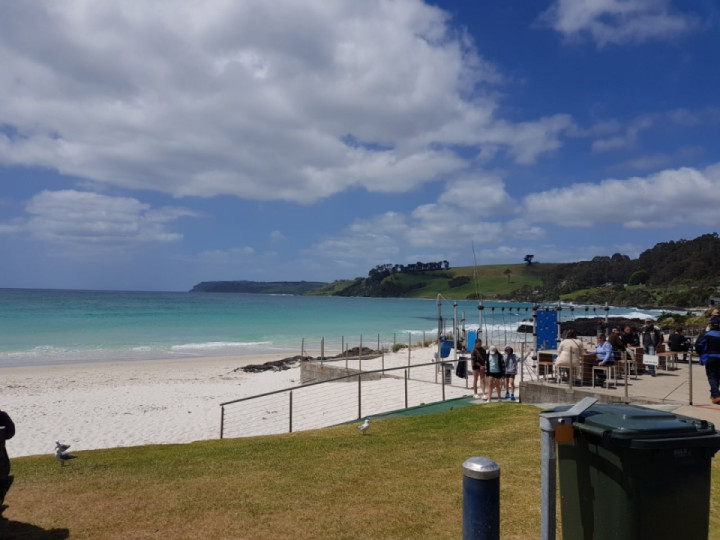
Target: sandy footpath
106, 405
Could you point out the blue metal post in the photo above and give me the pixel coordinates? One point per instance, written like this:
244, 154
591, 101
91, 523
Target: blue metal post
481, 499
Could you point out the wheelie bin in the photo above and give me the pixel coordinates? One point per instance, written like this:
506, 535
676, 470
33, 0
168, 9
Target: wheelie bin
631, 472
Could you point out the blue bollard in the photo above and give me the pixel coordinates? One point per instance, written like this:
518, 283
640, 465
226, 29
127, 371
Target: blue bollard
481, 499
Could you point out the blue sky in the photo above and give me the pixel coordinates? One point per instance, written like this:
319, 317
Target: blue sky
154, 145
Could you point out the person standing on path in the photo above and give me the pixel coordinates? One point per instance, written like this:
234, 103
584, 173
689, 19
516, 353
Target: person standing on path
495, 371
478, 357
708, 348
651, 337
511, 367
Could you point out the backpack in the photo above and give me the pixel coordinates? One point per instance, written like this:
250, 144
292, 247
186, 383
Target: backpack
461, 369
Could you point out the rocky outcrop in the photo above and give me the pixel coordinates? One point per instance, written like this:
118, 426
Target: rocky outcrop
287, 363
593, 325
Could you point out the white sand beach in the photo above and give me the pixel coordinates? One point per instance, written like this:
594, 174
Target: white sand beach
105, 405
100, 405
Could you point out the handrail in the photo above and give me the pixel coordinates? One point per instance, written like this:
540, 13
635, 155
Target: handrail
333, 379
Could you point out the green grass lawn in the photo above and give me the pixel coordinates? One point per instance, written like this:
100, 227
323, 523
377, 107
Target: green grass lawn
488, 281
401, 480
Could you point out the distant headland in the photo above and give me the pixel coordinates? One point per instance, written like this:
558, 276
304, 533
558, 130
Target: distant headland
258, 287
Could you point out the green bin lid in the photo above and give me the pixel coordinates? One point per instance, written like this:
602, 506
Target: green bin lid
644, 427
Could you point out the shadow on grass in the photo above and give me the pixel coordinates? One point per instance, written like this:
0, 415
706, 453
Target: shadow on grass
15, 529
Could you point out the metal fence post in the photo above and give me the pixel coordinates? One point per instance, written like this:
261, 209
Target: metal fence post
406, 388
409, 346
481, 499
359, 395
442, 367
222, 420
690, 377
290, 412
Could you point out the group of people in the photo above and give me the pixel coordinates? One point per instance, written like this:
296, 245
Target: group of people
491, 368
617, 345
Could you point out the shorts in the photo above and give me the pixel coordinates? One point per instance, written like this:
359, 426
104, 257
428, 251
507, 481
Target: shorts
510, 375
477, 367
496, 375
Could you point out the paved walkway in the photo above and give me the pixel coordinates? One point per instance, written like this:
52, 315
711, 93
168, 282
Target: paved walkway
669, 390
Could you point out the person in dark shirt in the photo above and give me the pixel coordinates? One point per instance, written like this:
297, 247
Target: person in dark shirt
8, 432
618, 345
677, 342
478, 357
630, 337
708, 347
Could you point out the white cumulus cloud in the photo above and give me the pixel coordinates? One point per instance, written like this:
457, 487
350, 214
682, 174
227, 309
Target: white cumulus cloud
617, 21
86, 220
283, 100
670, 197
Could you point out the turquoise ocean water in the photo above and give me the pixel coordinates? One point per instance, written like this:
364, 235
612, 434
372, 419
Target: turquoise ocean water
41, 327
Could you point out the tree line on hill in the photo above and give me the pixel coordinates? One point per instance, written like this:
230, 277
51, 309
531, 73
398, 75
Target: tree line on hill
683, 273
381, 271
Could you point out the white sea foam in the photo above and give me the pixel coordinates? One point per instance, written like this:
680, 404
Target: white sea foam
208, 346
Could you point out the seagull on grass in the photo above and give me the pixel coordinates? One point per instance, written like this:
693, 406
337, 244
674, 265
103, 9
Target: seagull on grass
363, 427
61, 447
62, 457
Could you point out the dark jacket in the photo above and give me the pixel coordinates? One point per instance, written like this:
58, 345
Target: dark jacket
7, 423
651, 336
616, 341
631, 339
479, 357
708, 345
677, 342
500, 365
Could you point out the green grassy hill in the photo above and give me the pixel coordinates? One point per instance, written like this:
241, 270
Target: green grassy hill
465, 282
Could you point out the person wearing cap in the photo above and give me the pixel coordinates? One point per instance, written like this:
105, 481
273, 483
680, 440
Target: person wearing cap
708, 348
496, 371
511, 367
651, 337
478, 357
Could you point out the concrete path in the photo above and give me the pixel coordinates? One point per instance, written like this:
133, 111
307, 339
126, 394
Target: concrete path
677, 390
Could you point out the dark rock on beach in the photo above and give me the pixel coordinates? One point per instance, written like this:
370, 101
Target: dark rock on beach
594, 325
287, 363
275, 365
